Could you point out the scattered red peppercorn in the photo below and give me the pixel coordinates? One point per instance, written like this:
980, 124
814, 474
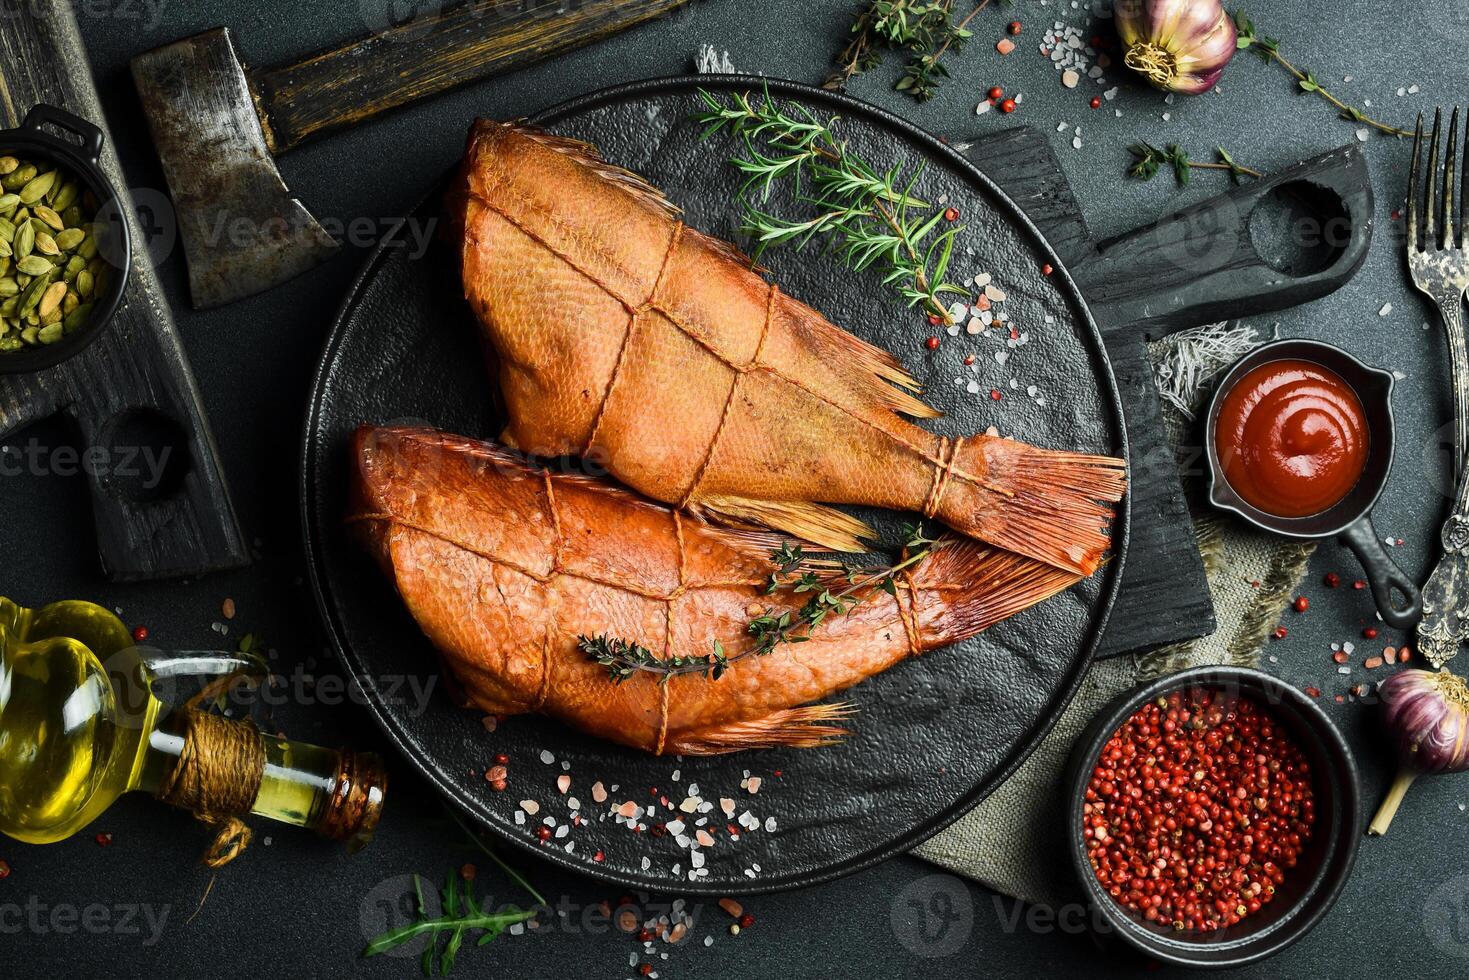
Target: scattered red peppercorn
140, 634
1315, 692
934, 319
1007, 105
4, 870
951, 214
1014, 27
645, 936
1340, 656
1046, 269
543, 833
1370, 633
995, 394
932, 343
599, 857
1196, 809
1332, 580
502, 758
996, 94
1281, 632
968, 359
468, 871
1096, 102
1359, 585
747, 920
104, 839
1301, 604
645, 969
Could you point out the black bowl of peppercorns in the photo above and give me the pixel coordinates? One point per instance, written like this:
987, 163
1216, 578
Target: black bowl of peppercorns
1212, 815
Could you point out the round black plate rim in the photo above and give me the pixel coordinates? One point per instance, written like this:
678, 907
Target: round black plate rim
900, 843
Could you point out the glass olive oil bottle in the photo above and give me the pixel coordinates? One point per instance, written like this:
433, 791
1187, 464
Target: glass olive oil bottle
81, 724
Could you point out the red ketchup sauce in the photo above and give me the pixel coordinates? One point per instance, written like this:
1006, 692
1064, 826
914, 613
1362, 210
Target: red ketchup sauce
1292, 438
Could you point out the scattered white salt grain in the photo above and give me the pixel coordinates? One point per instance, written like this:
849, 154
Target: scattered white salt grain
646, 862
1413, 90
547, 757
1110, 94
972, 387
599, 792
1061, 127
753, 786
530, 806
520, 817
1386, 309
1076, 142
982, 108
1069, 78
769, 825
708, 940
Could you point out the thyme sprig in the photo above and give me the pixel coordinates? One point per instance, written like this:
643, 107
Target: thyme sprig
1148, 160
923, 28
1268, 48
625, 658
867, 213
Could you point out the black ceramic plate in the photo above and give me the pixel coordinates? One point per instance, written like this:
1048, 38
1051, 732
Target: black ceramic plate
932, 735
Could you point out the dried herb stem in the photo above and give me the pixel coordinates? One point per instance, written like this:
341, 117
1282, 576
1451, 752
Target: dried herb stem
625, 658
1148, 160
1269, 49
924, 28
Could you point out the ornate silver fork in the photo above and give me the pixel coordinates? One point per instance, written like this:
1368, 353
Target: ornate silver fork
1440, 268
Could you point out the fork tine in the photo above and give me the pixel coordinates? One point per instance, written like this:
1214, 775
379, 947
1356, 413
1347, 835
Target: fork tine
1464, 190
1430, 190
1413, 187
1450, 239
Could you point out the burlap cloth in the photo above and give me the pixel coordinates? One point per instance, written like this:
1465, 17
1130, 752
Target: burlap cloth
1013, 841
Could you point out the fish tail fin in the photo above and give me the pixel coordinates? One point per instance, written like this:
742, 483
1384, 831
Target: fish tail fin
1053, 506
825, 527
805, 727
966, 586
886, 381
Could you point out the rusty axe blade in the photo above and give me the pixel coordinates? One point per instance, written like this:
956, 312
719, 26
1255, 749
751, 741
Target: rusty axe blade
217, 126
243, 231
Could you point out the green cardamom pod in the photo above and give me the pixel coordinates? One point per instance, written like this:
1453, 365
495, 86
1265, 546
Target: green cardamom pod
8, 165
38, 187
25, 240
77, 317
84, 283
50, 333
49, 217
31, 295
29, 334
70, 238
46, 245
9, 287
18, 178
35, 265
67, 196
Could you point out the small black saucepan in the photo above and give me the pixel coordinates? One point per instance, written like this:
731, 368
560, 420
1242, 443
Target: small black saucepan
1311, 886
80, 153
1350, 519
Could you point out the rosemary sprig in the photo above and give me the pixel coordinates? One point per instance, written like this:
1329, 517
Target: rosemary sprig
771, 629
1148, 159
1268, 48
924, 28
867, 213
460, 915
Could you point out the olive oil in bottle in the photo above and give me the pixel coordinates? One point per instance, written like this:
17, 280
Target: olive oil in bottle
81, 724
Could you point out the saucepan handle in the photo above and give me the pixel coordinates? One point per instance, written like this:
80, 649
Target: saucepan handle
42, 114
1201, 264
1385, 577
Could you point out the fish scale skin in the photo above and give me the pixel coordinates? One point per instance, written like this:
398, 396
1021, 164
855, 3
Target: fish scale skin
654, 349
503, 581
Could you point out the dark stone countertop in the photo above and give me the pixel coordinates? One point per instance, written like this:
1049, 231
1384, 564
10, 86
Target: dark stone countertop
296, 907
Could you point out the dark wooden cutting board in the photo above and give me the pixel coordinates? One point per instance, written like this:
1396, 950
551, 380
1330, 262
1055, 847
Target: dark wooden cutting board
1195, 267
132, 388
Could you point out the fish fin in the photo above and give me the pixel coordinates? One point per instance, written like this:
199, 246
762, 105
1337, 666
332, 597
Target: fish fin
506, 438
729, 250
980, 586
1052, 506
805, 727
841, 347
588, 155
825, 527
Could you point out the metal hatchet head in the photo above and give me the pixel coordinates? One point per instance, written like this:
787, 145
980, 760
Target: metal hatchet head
243, 231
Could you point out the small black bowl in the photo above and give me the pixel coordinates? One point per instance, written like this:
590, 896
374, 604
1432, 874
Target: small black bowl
81, 157
1309, 889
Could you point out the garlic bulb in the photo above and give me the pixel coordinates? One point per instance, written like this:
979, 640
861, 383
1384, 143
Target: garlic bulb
1428, 714
1178, 45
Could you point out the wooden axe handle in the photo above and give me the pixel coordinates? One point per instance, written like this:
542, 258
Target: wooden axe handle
429, 54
